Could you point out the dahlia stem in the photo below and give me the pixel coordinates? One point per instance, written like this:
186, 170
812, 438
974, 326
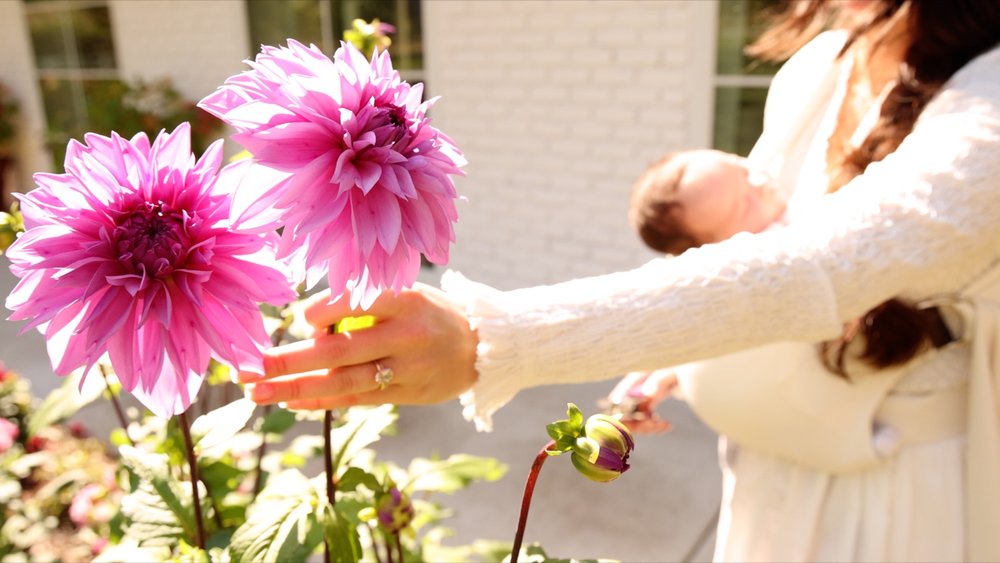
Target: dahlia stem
399, 547
331, 486
193, 464
375, 544
117, 406
529, 488
258, 479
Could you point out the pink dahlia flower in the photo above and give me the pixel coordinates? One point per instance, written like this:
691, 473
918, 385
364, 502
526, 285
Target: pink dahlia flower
347, 162
8, 434
131, 253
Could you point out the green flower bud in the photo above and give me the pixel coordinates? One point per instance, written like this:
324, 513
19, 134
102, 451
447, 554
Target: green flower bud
393, 509
601, 454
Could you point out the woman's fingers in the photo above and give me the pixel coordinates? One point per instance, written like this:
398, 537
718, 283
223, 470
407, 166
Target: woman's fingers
628, 386
646, 425
347, 380
326, 351
319, 312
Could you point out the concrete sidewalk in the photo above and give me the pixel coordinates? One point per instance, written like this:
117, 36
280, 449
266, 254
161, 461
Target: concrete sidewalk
663, 509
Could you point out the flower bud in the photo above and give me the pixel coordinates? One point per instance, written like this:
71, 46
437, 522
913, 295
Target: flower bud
601, 454
394, 510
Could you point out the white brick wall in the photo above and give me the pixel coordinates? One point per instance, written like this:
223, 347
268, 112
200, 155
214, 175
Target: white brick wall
197, 43
559, 105
17, 72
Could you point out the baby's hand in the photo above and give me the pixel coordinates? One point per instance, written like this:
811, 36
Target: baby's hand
636, 396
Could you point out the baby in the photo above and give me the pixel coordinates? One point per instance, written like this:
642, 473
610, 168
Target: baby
683, 201
696, 197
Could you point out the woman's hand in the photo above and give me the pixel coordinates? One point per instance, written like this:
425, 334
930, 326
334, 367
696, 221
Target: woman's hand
639, 393
420, 335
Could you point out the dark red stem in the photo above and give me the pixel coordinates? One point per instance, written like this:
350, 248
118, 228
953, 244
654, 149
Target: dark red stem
193, 464
529, 489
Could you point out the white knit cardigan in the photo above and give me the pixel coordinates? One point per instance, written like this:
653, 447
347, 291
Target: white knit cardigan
924, 222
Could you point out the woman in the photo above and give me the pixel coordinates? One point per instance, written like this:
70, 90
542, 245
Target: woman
900, 119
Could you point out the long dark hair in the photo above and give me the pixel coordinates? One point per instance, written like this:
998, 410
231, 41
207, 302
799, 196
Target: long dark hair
943, 37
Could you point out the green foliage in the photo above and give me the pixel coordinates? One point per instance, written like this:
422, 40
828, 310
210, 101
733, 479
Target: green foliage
282, 524
452, 474
566, 432
64, 402
159, 509
341, 535
219, 426
368, 36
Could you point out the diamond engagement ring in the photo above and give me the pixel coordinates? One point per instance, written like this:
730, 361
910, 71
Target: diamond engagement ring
383, 375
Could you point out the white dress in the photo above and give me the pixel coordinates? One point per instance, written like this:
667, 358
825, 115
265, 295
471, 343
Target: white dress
923, 223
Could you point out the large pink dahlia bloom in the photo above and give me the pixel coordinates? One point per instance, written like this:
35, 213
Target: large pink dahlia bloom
131, 253
347, 162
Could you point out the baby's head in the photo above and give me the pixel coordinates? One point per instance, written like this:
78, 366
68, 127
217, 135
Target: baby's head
696, 197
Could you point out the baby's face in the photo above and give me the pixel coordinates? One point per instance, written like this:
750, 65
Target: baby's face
720, 197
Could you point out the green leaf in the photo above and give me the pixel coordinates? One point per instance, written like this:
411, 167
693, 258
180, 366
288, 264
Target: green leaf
214, 428
574, 415
278, 421
341, 536
452, 474
160, 509
64, 402
355, 476
220, 476
281, 524
364, 426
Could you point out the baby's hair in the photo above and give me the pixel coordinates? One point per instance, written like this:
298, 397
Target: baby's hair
654, 210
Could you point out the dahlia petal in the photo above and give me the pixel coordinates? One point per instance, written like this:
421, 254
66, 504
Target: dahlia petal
388, 220
121, 351
368, 175
257, 114
150, 355
235, 280
67, 351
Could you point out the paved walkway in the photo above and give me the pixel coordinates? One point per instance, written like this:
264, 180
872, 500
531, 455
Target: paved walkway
663, 509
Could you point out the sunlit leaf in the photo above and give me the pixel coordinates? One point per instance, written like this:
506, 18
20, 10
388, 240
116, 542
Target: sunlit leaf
277, 421
281, 524
341, 536
364, 427
214, 428
64, 401
452, 474
159, 511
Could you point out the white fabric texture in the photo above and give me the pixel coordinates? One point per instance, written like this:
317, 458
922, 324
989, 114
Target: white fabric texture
923, 223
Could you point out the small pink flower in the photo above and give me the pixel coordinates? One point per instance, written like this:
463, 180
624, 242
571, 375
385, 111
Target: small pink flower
90, 506
8, 434
5, 374
346, 161
131, 253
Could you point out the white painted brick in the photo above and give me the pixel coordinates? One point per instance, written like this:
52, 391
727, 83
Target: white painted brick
558, 115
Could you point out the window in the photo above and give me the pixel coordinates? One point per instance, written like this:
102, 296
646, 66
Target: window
75, 57
323, 22
740, 83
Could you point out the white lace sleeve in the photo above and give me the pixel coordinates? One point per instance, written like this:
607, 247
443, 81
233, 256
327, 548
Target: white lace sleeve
924, 221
